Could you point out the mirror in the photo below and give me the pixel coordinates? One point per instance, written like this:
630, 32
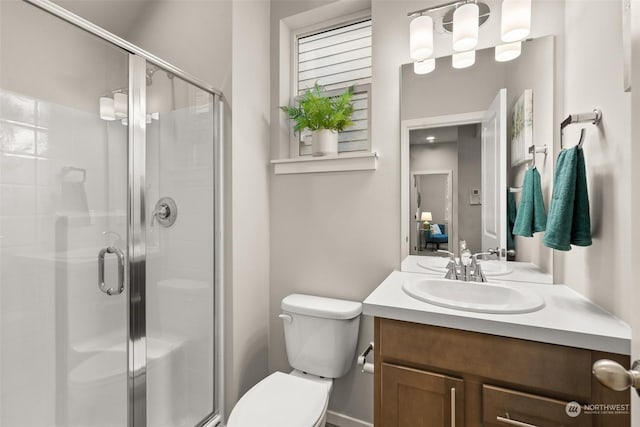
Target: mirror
458, 166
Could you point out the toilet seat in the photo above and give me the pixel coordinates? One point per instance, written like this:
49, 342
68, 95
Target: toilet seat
282, 400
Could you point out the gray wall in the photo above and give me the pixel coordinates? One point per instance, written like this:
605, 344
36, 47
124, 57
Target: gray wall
593, 75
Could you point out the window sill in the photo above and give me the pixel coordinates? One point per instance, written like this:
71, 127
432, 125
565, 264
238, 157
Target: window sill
339, 163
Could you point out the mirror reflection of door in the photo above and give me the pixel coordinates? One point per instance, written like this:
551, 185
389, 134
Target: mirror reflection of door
432, 200
445, 168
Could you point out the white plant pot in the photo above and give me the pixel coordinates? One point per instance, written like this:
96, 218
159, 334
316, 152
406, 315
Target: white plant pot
324, 142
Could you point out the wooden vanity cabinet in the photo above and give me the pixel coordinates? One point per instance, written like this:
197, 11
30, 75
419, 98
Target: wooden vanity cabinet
433, 376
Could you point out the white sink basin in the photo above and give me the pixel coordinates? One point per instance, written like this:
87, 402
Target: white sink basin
489, 268
473, 296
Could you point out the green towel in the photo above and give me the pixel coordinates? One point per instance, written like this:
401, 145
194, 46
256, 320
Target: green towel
569, 220
511, 219
532, 216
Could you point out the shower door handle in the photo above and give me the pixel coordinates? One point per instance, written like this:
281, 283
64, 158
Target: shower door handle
103, 287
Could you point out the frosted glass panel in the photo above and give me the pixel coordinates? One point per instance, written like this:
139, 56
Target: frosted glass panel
63, 183
180, 267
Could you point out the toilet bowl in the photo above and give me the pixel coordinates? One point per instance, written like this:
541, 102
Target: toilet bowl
321, 336
284, 400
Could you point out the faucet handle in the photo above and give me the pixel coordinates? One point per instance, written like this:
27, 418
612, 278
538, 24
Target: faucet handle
479, 254
451, 254
477, 268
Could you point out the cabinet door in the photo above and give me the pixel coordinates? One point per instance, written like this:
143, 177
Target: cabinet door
415, 398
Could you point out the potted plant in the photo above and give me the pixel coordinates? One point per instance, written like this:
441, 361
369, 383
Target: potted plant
324, 116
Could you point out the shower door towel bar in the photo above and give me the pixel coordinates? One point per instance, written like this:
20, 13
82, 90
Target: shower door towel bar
595, 117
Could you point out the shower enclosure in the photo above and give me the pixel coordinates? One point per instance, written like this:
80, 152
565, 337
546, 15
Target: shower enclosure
110, 236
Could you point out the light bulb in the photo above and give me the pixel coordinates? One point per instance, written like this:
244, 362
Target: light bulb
516, 20
421, 38
465, 27
424, 67
508, 52
463, 59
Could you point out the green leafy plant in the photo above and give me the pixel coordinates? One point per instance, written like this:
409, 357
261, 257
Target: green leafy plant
317, 111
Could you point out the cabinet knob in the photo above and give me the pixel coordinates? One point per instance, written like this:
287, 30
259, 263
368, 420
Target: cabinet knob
614, 376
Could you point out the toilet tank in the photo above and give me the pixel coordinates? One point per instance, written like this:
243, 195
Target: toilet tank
320, 333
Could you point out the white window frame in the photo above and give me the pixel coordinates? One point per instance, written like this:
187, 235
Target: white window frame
294, 142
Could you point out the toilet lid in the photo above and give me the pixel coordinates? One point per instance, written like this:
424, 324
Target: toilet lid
281, 400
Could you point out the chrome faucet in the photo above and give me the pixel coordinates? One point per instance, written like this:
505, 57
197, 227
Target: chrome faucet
452, 266
467, 269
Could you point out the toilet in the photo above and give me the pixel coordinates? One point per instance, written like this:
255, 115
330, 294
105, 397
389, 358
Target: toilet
321, 335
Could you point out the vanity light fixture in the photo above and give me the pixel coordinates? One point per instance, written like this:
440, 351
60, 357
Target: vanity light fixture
465, 27
431, 138
508, 52
463, 59
424, 67
421, 38
516, 20
463, 18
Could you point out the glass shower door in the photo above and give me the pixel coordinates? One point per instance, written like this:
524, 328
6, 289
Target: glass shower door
180, 177
63, 219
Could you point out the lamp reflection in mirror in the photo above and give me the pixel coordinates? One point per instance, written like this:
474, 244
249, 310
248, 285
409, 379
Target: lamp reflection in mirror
421, 38
516, 20
465, 27
424, 67
508, 52
463, 59
426, 218
107, 108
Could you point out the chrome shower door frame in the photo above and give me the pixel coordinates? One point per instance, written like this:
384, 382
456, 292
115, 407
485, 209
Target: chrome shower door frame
135, 268
137, 245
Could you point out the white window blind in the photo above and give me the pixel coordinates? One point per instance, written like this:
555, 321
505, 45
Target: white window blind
336, 59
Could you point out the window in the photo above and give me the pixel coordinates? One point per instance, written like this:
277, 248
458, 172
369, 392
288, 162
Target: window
336, 58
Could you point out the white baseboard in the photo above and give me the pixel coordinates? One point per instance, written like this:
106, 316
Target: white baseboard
342, 420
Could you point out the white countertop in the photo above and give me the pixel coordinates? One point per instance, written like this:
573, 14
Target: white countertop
567, 319
522, 271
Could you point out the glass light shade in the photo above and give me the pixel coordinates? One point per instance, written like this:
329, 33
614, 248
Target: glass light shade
421, 38
424, 67
508, 52
121, 105
516, 20
463, 59
465, 27
107, 108
426, 216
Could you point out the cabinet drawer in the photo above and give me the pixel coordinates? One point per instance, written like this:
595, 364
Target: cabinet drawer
509, 408
563, 371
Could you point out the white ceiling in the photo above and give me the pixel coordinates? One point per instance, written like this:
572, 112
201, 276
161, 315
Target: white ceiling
441, 134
